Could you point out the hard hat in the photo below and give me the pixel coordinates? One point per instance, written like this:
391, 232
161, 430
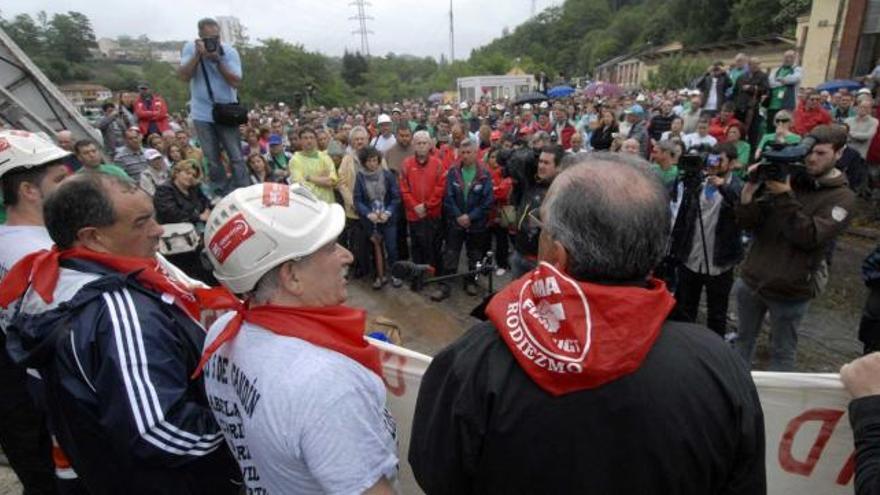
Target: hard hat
254, 229
23, 149
384, 119
527, 106
151, 154
463, 105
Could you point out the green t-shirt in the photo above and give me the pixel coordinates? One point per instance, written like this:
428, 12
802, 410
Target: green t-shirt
770, 138
743, 150
467, 175
778, 94
667, 176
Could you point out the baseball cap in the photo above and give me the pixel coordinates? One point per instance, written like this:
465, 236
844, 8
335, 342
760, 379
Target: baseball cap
527, 106
863, 91
275, 139
151, 154
635, 110
396, 110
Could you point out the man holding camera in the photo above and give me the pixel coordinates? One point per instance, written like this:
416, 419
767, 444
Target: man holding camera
793, 218
213, 69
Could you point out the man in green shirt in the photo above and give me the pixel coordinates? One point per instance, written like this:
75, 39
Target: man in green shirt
665, 161
89, 154
784, 82
313, 169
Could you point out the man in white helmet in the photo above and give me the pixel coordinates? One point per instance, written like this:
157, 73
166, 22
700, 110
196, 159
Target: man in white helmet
30, 169
296, 388
385, 140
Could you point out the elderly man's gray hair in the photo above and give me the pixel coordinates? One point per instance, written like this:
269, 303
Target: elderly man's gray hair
358, 129
611, 213
421, 135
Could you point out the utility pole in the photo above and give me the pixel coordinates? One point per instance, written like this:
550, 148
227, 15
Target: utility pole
362, 19
451, 35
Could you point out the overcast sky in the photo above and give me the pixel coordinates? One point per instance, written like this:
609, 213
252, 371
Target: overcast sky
400, 26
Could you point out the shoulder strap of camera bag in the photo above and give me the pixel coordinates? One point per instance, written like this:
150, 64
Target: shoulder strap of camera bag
207, 81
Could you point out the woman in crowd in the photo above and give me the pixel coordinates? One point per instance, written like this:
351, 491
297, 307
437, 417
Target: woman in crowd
180, 199
252, 144
502, 215
783, 134
603, 135
377, 198
258, 169
734, 135
676, 131
174, 154
156, 142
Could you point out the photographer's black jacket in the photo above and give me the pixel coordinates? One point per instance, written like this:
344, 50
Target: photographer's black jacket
728, 236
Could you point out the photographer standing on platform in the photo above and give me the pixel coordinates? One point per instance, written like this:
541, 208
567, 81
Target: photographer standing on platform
794, 212
213, 69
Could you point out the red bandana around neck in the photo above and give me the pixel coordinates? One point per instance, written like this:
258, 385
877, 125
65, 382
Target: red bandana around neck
337, 328
41, 269
569, 335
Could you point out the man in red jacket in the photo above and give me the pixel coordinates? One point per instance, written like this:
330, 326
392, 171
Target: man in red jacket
810, 114
151, 111
422, 185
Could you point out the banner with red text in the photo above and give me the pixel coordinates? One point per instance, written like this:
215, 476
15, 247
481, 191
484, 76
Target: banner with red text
809, 441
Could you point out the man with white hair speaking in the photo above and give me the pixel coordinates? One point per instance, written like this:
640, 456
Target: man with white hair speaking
294, 385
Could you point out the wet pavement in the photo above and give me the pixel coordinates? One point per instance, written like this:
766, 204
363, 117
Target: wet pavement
827, 334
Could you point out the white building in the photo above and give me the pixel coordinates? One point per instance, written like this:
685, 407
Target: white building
170, 56
107, 45
472, 89
231, 30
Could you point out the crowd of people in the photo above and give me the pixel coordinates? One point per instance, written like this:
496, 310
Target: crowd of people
636, 202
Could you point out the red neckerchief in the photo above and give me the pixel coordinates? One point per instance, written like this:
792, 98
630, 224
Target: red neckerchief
337, 328
41, 269
569, 335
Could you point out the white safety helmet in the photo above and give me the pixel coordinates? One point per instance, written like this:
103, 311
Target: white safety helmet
463, 105
256, 228
384, 119
23, 149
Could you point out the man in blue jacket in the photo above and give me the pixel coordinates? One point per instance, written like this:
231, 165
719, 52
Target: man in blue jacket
467, 203
116, 339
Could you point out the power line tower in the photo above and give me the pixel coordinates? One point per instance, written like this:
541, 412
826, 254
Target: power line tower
451, 35
362, 19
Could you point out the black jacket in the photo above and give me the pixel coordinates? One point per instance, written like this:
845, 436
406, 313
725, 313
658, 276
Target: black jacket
659, 124
864, 417
688, 421
728, 236
602, 137
722, 84
115, 361
172, 206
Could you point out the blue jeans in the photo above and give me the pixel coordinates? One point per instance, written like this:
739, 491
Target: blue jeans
785, 317
211, 138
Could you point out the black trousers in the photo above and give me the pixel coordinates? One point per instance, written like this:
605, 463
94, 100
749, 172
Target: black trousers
869, 327
24, 435
690, 290
502, 245
402, 234
476, 245
427, 242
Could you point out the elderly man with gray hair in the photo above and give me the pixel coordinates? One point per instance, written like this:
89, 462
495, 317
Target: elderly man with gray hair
578, 383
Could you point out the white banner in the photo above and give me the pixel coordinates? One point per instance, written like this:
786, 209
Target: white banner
809, 441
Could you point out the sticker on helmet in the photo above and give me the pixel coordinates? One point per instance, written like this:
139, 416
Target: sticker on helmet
229, 237
276, 194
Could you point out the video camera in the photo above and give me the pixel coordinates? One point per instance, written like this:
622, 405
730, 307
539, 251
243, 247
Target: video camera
692, 164
779, 160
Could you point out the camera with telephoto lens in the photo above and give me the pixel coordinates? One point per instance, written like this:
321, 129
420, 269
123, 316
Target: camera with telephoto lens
779, 160
212, 44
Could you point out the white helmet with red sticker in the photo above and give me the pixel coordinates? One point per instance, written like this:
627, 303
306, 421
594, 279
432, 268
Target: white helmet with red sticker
256, 228
23, 149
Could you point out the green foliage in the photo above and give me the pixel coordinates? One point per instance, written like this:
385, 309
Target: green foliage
676, 72
59, 46
354, 65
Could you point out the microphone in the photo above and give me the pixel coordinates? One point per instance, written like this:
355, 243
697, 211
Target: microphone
408, 271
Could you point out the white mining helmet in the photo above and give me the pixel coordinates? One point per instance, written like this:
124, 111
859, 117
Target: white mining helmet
23, 149
256, 228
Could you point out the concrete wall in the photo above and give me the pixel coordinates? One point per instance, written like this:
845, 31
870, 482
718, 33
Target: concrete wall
824, 32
